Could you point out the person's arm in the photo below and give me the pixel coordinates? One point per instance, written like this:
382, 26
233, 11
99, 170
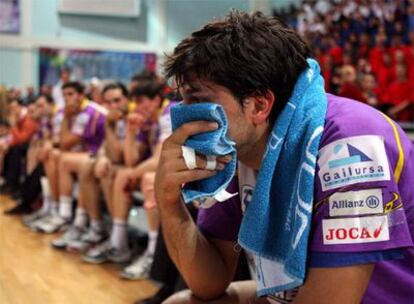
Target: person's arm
395, 110
113, 146
206, 266
342, 285
67, 138
133, 149
22, 133
149, 164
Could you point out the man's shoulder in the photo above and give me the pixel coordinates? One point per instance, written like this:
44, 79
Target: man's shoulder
93, 107
349, 118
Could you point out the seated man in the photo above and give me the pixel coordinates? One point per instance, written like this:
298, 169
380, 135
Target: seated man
102, 172
347, 201
48, 156
40, 111
141, 149
13, 148
145, 173
81, 134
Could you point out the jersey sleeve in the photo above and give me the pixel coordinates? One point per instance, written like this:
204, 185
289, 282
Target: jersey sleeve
222, 220
165, 127
359, 216
80, 124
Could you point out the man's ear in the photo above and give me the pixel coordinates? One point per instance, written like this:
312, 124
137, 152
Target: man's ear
262, 107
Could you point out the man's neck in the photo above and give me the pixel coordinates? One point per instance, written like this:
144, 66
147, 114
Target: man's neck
253, 158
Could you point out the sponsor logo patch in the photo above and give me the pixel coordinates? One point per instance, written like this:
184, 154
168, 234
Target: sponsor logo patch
356, 202
355, 230
353, 160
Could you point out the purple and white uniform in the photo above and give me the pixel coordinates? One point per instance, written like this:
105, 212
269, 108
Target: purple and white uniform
154, 133
45, 128
120, 129
364, 203
90, 126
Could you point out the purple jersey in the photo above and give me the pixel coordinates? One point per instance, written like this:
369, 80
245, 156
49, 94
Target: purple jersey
154, 133
44, 130
90, 126
364, 203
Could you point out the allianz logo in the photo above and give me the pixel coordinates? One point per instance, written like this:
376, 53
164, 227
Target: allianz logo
343, 204
371, 201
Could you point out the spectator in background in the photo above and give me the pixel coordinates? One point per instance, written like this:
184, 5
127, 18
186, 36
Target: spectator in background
4, 112
57, 88
385, 73
40, 111
411, 18
376, 54
134, 82
14, 146
349, 88
369, 89
30, 95
398, 96
45, 89
93, 91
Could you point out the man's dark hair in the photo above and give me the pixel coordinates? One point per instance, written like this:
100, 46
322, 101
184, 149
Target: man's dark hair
77, 86
48, 98
115, 86
150, 85
246, 53
18, 100
144, 75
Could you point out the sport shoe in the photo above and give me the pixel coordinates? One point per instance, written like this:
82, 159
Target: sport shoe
139, 269
51, 224
105, 253
34, 216
89, 238
72, 234
97, 254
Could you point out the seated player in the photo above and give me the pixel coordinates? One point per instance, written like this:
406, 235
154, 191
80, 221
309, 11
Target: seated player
351, 190
141, 149
100, 175
81, 134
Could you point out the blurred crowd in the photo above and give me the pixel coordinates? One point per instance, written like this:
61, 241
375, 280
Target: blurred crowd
365, 49
78, 158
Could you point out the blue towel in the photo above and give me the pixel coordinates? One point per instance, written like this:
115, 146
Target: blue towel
209, 143
276, 223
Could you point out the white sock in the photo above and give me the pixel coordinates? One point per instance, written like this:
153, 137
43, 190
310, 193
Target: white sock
119, 235
152, 242
46, 205
54, 209
97, 225
65, 206
81, 218
47, 200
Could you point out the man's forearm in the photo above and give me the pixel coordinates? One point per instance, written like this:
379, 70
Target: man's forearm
197, 259
113, 147
131, 151
148, 165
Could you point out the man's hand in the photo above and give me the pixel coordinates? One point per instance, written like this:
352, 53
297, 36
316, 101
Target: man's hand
172, 171
135, 122
67, 112
113, 116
